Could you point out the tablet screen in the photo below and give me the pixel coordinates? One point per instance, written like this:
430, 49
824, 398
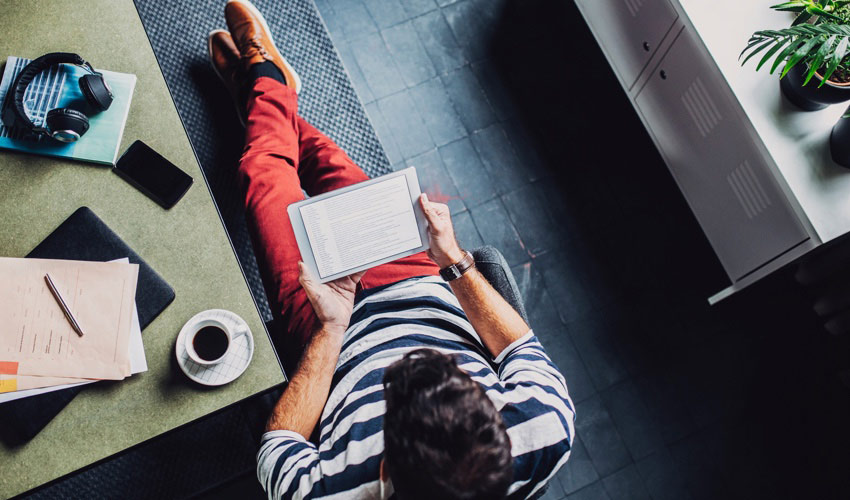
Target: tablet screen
361, 226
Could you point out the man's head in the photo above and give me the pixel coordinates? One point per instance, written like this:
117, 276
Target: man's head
443, 437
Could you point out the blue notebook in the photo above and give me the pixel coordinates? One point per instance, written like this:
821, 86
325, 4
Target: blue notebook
56, 87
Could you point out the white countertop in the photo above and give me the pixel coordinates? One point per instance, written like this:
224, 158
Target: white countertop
797, 140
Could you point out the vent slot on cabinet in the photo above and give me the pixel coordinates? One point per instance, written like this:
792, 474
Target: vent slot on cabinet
748, 190
701, 107
634, 6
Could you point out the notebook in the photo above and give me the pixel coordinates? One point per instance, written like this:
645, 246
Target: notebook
82, 236
57, 87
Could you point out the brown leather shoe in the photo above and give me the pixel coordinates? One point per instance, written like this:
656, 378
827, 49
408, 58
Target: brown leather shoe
227, 64
252, 35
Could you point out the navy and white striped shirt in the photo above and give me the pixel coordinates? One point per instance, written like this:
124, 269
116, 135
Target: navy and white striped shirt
388, 322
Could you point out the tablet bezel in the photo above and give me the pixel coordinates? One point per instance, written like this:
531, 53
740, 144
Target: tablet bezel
294, 211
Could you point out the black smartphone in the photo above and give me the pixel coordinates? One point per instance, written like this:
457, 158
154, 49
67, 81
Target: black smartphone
153, 175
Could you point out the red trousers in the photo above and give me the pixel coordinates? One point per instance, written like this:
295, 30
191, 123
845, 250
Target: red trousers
283, 155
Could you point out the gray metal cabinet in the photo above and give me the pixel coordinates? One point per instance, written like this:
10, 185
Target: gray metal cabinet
629, 31
724, 176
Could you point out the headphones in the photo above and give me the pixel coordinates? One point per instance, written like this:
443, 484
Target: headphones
62, 124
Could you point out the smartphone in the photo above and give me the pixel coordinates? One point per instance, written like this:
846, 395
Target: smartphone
153, 175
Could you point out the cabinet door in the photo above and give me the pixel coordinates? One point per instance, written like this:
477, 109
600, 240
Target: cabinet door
723, 174
629, 31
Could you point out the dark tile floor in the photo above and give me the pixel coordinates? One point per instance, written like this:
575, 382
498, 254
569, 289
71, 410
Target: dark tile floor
512, 115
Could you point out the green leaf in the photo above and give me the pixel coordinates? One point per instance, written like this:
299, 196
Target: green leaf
798, 6
817, 11
772, 51
758, 49
784, 54
820, 57
837, 57
799, 54
801, 18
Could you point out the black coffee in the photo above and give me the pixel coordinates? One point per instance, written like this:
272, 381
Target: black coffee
210, 343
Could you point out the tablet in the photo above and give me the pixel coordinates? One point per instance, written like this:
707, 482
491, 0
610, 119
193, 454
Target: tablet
360, 226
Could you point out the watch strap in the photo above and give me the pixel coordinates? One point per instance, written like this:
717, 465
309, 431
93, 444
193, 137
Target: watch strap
456, 270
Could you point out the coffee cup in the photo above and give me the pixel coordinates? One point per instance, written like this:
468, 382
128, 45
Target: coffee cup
210, 340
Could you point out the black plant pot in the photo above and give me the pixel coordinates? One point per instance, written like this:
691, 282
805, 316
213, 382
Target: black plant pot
811, 97
839, 142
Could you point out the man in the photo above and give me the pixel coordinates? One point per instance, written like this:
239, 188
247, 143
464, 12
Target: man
407, 384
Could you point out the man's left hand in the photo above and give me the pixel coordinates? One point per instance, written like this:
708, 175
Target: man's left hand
332, 301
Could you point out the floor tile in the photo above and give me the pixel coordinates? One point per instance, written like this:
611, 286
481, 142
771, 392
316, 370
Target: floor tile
599, 435
663, 477
578, 471
405, 124
563, 276
435, 181
626, 484
356, 21
384, 133
439, 42
537, 227
495, 89
331, 19
386, 13
472, 180
468, 98
471, 22
593, 492
466, 232
702, 466
663, 395
413, 62
443, 3
438, 112
496, 229
499, 158
597, 347
356, 74
529, 150
417, 7
377, 65
551, 331
641, 433
553, 493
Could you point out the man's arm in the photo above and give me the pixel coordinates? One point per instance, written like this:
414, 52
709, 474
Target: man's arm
496, 322
300, 406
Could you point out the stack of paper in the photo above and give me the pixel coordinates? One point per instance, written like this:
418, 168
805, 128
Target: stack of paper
38, 346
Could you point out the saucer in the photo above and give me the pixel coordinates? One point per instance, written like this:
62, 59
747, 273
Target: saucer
235, 361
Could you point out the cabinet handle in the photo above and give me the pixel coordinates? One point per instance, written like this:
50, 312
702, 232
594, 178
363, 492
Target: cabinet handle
663, 74
646, 46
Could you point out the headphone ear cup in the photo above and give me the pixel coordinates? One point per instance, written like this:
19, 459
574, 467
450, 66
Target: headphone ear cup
96, 90
66, 124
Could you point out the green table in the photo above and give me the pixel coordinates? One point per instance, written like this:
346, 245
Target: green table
187, 245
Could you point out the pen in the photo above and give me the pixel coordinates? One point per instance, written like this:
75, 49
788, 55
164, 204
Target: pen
55, 292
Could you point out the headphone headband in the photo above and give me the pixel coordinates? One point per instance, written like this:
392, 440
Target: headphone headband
26, 76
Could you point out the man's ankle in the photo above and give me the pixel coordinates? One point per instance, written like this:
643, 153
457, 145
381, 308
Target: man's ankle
267, 69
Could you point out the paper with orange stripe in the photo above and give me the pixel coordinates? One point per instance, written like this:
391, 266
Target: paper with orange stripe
38, 340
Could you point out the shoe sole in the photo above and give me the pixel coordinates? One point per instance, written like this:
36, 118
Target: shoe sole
262, 19
220, 77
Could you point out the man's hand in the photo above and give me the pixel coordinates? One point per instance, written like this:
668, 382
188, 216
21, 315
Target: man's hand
444, 249
332, 301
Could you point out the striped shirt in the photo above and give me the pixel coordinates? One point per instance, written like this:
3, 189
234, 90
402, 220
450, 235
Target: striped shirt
388, 322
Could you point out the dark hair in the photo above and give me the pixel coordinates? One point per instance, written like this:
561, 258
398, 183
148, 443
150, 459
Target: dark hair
443, 437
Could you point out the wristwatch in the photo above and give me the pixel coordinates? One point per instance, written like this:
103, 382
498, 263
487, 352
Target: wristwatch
457, 269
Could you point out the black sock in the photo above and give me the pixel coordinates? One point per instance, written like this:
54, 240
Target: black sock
265, 68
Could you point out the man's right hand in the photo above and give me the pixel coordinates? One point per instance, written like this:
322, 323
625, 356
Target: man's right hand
444, 249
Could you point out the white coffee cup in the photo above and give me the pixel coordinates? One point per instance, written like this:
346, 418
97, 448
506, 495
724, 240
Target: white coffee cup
213, 343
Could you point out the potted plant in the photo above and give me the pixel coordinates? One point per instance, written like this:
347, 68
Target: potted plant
815, 46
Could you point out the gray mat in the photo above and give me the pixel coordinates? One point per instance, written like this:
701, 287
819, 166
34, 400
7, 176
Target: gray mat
178, 32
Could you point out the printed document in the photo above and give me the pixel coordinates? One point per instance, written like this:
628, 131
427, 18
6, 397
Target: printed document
361, 226
35, 337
